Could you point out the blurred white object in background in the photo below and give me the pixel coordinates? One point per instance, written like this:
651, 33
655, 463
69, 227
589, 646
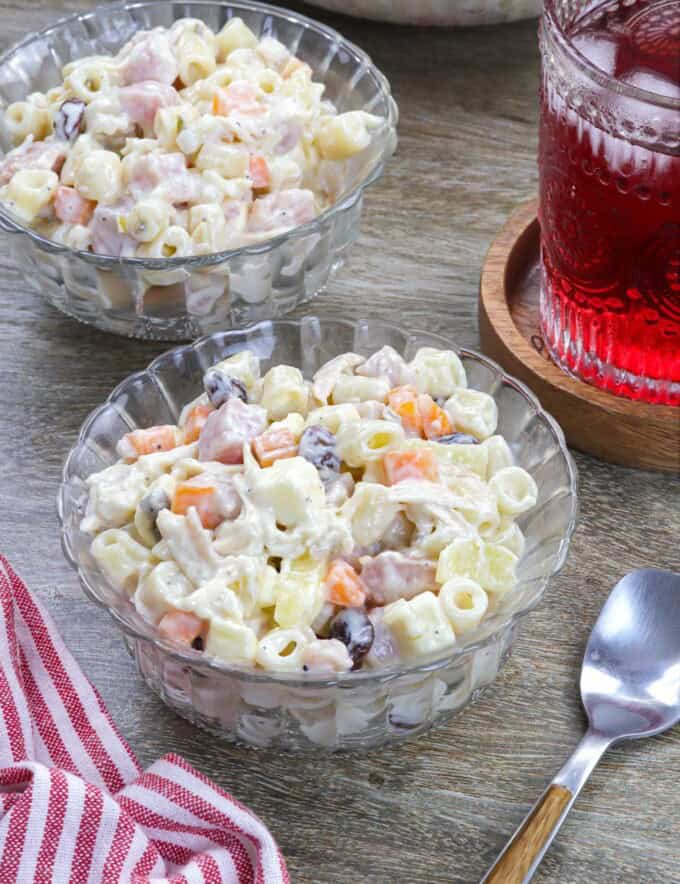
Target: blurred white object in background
436, 12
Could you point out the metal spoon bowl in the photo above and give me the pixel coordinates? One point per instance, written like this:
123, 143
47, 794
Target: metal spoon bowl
630, 688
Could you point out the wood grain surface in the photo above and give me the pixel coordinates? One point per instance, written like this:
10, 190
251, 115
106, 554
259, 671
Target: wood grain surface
437, 810
619, 430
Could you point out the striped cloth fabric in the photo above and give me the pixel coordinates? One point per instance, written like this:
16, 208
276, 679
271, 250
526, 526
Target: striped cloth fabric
75, 806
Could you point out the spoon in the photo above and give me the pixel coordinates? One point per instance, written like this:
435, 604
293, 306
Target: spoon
630, 688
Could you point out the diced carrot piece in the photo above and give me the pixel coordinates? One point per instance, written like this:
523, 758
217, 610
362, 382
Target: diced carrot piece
260, 175
274, 445
202, 496
71, 208
416, 464
404, 402
196, 421
150, 441
344, 585
419, 412
435, 420
182, 627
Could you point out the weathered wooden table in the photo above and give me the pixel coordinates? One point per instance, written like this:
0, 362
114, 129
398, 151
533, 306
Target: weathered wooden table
438, 809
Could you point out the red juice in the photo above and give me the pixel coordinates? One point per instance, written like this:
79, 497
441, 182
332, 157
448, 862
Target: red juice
609, 165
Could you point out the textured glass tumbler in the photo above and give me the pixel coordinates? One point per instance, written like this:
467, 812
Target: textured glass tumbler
609, 164
355, 710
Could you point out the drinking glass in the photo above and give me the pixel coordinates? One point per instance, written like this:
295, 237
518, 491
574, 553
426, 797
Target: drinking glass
609, 169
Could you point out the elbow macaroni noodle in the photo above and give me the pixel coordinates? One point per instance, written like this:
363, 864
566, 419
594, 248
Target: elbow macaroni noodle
180, 118
30, 191
273, 519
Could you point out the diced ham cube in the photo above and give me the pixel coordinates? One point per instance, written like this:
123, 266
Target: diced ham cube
227, 429
229, 500
290, 136
33, 155
387, 363
288, 208
143, 172
150, 59
71, 208
182, 627
142, 100
148, 171
394, 575
398, 534
107, 237
184, 188
354, 557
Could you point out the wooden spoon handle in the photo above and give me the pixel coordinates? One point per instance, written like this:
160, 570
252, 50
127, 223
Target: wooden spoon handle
523, 852
532, 837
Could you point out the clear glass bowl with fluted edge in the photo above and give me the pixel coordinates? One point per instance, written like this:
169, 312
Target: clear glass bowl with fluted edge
436, 13
183, 298
354, 710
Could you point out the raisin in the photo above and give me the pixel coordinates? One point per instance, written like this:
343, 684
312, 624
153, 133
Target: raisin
68, 119
317, 445
220, 387
353, 628
458, 439
152, 504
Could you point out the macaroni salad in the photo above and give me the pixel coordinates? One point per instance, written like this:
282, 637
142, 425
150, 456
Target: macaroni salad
362, 518
185, 143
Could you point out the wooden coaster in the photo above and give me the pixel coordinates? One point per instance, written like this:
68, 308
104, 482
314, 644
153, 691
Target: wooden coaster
618, 430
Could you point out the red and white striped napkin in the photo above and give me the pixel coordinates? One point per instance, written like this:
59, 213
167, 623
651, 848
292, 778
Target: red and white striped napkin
75, 805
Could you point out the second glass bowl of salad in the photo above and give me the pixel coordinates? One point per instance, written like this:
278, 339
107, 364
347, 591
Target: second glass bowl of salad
351, 710
180, 298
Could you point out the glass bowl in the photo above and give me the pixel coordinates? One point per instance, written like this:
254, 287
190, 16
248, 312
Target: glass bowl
352, 710
443, 13
182, 298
